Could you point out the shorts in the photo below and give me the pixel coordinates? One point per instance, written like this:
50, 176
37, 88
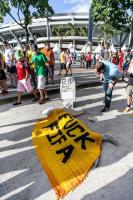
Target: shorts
129, 90
62, 66
11, 69
24, 85
68, 65
2, 75
41, 82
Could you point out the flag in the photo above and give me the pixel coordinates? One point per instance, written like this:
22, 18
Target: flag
66, 148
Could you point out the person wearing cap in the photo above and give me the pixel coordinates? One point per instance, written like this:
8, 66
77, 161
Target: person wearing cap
40, 61
10, 63
48, 52
110, 74
23, 78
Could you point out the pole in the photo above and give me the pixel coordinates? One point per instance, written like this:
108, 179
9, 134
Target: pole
90, 27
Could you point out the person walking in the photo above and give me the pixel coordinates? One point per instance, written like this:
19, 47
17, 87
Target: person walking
129, 87
29, 53
62, 61
88, 60
69, 60
82, 60
110, 74
23, 78
120, 56
41, 64
48, 52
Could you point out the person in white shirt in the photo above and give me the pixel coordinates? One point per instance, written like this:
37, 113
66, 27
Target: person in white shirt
10, 64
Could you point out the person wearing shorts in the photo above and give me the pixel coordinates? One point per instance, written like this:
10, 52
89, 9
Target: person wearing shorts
40, 61
3, 79
69, 59
49, 54
24, 83
62, 61
129, 88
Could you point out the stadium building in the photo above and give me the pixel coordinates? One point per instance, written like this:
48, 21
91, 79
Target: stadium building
60, 28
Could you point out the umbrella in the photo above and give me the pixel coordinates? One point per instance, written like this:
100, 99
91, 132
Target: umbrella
124, 48
56, 48
98, 49
113, 48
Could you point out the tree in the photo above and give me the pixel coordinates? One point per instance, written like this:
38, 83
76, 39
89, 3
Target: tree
73, 31
40, 8
113, 13
59, 31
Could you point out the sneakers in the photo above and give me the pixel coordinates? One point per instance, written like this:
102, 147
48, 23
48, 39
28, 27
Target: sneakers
127, 109
16, 103
105, 109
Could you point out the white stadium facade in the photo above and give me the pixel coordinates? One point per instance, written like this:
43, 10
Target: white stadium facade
42, 29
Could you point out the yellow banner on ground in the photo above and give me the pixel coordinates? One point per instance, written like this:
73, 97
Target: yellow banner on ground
66, 148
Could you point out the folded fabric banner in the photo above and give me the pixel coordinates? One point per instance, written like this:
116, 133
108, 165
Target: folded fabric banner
66, 148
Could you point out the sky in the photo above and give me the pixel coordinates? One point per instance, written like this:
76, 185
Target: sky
64, 6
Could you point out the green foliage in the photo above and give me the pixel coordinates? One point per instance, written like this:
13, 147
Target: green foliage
41, 9
76, 31
58, 31
114, 14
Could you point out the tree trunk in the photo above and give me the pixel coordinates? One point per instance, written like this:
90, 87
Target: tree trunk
26, 33
59, 42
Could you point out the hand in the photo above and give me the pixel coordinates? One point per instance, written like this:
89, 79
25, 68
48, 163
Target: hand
110, 85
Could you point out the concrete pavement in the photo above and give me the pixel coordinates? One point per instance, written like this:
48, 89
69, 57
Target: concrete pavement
82, 77
21, 175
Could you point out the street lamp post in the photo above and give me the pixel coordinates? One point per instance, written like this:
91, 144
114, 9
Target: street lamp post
90, 27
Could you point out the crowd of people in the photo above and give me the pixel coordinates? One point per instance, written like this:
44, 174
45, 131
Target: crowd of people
29, 69
111, 66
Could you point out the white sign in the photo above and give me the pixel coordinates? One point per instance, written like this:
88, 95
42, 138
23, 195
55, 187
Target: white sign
68, 91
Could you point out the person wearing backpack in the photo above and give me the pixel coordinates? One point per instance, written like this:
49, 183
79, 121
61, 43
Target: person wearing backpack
23, 76
88, 60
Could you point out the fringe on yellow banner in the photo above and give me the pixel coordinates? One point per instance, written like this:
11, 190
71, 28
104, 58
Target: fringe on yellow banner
66, 148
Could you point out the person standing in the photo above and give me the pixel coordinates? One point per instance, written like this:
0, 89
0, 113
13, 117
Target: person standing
69, 60
82, 60
129, 88
110, 74
120, 57
88, 60
114, 58
48, 52
10, 64
3, 79
41, 62
62, 61
29, 55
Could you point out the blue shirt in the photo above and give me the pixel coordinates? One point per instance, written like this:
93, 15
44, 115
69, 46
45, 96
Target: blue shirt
111, 71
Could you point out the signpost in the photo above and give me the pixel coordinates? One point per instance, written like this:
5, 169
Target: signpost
68, 92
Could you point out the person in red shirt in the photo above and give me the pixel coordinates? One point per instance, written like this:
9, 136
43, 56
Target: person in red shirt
88, 60
23, 76
120, 56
